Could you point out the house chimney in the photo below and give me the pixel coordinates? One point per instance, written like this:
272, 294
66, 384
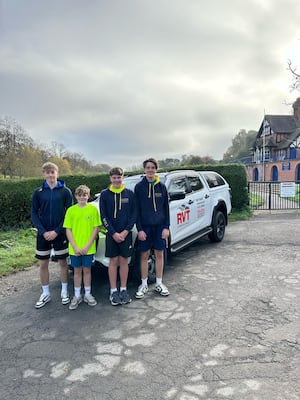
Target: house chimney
296, 107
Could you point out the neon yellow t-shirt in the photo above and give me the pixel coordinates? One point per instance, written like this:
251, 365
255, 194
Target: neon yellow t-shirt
82, 221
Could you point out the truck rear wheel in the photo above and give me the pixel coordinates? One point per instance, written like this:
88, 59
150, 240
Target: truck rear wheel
136, 267
218, 227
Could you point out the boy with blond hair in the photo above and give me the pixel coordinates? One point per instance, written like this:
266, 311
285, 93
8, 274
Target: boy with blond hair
49, 205
82, 223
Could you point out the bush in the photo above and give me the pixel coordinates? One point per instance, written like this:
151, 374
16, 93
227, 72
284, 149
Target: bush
15, 195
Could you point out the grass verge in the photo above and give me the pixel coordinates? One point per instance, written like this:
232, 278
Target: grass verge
17, 248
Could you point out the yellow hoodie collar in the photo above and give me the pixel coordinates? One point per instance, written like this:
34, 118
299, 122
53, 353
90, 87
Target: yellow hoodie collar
116, 190
156, 180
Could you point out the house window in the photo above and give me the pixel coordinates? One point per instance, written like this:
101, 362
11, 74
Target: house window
267, 154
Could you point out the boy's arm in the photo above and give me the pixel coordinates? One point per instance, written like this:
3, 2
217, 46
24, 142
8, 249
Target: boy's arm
72, 241
166, 209
105, 220
132, 212
35, 206
94, 234
137, 210
67, 202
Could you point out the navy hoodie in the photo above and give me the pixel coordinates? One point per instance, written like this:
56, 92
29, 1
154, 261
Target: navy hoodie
117, 209
49, 207
152, 204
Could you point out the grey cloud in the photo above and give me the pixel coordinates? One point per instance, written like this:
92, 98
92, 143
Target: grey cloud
122, 80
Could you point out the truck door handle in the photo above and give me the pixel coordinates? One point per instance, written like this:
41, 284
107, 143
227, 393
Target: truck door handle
190, 201
206, 196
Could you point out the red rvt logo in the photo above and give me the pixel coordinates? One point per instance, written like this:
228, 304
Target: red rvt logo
183, 216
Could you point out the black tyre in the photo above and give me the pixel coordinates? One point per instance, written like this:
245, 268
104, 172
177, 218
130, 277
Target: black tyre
218, 226
135, 268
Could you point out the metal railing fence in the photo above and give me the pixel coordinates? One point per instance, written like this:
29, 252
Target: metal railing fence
274, 195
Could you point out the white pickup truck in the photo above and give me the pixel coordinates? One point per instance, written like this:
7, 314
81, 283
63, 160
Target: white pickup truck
200, 202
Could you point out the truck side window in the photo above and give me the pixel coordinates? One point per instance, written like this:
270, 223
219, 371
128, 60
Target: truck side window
213, 180
178, 185
195, 183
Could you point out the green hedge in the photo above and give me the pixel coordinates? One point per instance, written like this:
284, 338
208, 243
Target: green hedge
15, 195
235, 175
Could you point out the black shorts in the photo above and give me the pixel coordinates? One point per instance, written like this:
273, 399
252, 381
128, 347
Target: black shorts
59, 244
114, 249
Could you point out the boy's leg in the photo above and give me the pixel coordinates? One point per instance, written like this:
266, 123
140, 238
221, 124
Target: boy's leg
112, 272
114, 296
77, 277
159, 263
64, 275
160, 287
45, 297
123, 271
143, 288
64, 270
87, 281
87, 277
77, 299
124, 296
44, 272
144, 264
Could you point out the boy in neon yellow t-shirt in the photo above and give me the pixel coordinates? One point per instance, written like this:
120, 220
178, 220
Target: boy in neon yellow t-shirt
82, 223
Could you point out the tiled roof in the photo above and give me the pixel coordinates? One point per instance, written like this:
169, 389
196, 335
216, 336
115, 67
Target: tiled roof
285, 124
280, 124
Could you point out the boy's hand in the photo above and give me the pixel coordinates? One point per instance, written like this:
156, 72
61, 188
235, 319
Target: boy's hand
50, 235
124, 234
118, 237
142, 235
165, 233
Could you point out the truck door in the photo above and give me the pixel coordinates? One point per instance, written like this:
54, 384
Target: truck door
180, 210
200, 196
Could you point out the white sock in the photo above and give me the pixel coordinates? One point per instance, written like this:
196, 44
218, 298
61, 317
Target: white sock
123, 288
77, 291
87, 290
145, 282
46, 289
113, 290
64, 287
158, 281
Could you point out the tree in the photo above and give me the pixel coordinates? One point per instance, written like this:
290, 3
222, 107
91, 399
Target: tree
241, 146
296, 77
169, 162
13, 140
191, 160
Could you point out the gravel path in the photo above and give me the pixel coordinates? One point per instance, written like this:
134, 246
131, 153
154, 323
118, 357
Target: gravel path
24, 279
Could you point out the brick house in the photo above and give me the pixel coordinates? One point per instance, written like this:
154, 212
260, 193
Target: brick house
276, 151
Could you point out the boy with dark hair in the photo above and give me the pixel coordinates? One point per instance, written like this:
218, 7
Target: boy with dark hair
153, 221
117, 210
82, 223
49, 205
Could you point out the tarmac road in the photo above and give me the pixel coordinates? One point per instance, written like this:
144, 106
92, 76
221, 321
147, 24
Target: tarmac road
230, 328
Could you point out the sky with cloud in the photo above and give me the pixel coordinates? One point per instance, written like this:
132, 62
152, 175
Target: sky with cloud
122, 80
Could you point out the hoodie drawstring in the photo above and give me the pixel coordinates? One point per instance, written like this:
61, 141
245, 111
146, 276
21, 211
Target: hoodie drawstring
151, 188
115, 203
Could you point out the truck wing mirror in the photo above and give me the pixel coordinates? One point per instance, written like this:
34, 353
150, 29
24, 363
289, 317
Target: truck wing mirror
176, 195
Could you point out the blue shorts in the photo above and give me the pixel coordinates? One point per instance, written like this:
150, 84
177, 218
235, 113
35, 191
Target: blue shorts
82, 261
154, 239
